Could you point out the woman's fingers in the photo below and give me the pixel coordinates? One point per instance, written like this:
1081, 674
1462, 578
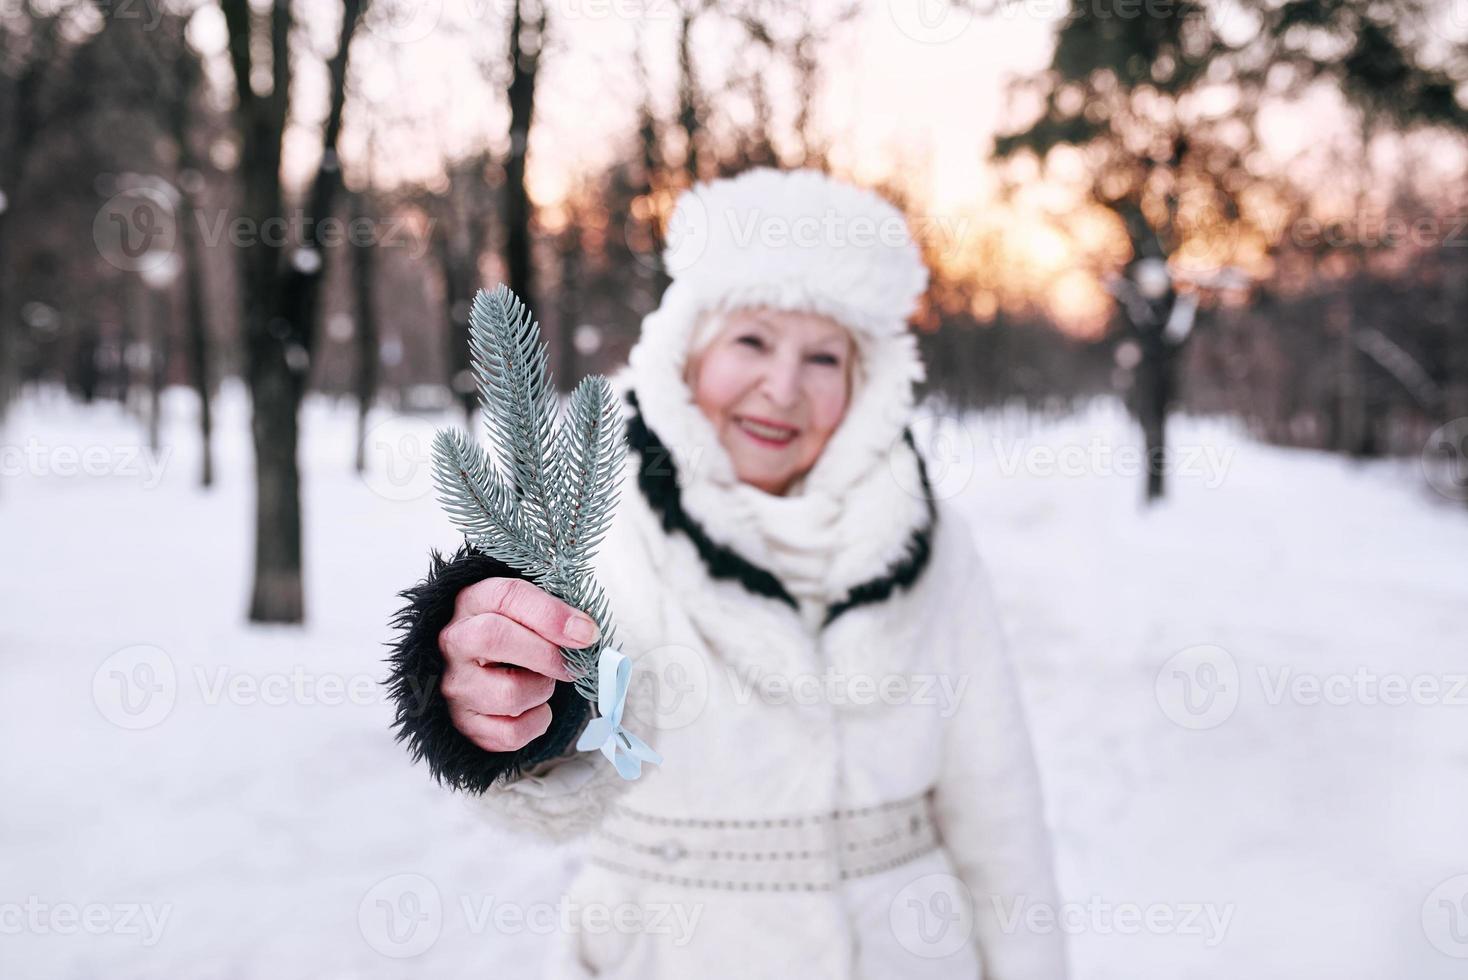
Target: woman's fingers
500, 733
495, 690
530, 606
502, 659
491, 638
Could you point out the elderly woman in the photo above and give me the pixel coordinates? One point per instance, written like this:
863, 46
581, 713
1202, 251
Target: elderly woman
847, 786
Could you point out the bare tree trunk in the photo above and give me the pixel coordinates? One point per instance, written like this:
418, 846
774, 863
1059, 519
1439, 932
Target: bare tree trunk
458, 285
196, 313
649, 136
1154, 400
1351, 416
812, 153
84, 363
196, 309
761, 149
277, 594
570, 303
688, 114
1354, 430
22, 135
280, 305
134, 324
8, 373
793, 31
180, 75
364, 256
463, 217
527, 40
654, 173
157, 307
1149, 306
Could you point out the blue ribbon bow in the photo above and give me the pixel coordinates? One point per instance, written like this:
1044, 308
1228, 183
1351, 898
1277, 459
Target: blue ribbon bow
626, 751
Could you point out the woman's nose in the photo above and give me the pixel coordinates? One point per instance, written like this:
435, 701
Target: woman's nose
782, 381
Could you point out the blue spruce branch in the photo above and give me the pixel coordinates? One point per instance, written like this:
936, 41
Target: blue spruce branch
551, 508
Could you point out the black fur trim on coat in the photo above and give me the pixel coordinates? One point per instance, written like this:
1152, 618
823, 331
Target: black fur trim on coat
910, 566
422, 717
657, 478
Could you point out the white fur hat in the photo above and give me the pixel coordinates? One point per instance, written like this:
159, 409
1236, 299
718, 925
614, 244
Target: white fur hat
797, 240
794, 240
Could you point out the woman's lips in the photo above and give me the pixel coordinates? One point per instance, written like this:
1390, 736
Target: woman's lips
766, 433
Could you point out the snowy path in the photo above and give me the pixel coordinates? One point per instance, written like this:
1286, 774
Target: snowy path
251, 809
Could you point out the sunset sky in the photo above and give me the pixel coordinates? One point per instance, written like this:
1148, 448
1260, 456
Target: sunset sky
911, 90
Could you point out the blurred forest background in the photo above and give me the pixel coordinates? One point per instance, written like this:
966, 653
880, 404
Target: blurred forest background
1257, 208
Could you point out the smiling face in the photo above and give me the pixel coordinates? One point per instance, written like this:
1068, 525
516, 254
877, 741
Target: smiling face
775, 385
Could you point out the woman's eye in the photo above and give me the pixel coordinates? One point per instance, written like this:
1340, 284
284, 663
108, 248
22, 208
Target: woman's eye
751, 340
830, 359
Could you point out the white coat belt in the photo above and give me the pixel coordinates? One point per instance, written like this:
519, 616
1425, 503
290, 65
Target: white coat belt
798, 852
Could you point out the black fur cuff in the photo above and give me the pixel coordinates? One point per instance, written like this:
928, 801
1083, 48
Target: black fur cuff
416, 666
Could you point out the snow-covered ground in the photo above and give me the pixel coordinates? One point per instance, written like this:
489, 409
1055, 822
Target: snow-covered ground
1216, 688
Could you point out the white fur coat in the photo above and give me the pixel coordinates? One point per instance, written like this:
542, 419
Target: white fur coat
760, 713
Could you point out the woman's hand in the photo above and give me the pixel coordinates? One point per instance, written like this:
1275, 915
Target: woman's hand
501, 660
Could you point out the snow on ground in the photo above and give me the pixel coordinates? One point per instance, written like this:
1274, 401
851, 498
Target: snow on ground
1213, 687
